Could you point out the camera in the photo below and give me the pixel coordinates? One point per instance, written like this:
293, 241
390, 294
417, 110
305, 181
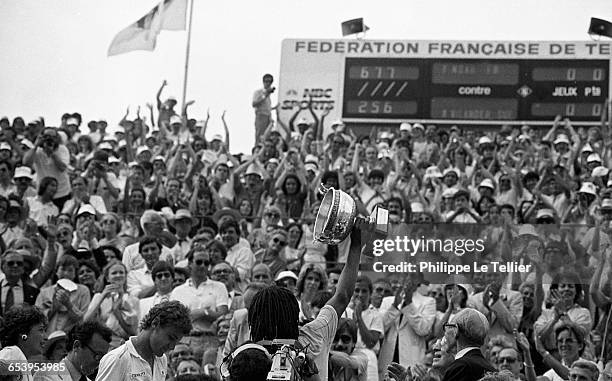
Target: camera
272, 89
289, 361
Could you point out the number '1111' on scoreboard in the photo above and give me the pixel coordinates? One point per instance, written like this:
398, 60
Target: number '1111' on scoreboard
474, 89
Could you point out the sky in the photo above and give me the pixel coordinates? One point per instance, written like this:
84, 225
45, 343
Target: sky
54, 51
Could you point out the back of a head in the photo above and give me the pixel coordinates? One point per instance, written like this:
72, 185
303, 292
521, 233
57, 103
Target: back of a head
274, 314
473, 327
250, 365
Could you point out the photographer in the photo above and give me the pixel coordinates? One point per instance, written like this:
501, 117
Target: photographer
263, 106
50, 158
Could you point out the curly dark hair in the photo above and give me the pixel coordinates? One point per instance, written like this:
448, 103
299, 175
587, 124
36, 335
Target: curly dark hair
251, 365
84, 331
166, 314
18, 321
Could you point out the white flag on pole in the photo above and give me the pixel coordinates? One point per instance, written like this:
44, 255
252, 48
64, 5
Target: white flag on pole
142, 35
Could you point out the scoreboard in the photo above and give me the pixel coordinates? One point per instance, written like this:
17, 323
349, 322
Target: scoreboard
474, 89
485, 83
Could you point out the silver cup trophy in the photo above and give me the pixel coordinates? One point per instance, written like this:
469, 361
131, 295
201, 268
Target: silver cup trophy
337, 216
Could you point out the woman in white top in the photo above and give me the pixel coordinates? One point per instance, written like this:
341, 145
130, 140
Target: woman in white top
114, 307
22, 334
42, 206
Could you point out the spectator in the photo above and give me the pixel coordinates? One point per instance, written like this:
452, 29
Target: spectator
262, 106
310, 281
468, 329
163, 276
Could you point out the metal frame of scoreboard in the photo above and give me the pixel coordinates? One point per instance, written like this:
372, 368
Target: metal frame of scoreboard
446, 82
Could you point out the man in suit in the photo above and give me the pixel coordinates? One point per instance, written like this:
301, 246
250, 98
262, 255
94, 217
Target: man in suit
468, 329
13, 290
408, 319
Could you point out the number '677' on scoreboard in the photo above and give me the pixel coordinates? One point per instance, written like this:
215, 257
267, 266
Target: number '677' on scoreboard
469, 82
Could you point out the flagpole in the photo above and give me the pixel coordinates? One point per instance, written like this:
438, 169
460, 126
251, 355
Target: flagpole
187, 52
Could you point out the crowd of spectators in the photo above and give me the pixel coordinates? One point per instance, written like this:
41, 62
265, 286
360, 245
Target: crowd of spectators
98, 228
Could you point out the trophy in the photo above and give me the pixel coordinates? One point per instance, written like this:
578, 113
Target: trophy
337, 215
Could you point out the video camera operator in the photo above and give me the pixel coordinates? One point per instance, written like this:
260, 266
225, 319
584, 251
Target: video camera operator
50, 158
274, 313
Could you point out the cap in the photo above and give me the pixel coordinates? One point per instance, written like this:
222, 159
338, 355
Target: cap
606, 203
386, 135
450, 170
523, 137
171, 98
594, 157
72, 121
113, 159
384, 153
53, 338
485, 140
183, 214
561, 138
142, 149
432, 171
337, 123
311, 167
272, 160
226, 211
418, 125
286, 274
487, 183
105, 145
27, 143
405, 127
253, 169
159, 158
5, 146
174, 119
544, 213
586, 148
588, 188
217, 137
86, 208
312, 159
599, 171
21, 172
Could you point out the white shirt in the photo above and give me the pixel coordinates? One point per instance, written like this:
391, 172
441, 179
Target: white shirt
209, 294
147, 303
138, 280
45, 167
319, 333
133, 260
40, 212
180, 250
242, 258
124, 363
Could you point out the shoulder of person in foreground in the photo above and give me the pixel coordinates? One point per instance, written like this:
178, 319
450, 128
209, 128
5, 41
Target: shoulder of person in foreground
114, 365
321, 330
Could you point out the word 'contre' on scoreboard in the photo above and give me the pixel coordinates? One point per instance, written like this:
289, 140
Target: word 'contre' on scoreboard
471, 82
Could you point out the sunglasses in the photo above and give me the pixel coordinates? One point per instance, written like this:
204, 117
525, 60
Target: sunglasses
163, 275
201, 262
382, 290
279, 241
509, 360
14, 264
109, 222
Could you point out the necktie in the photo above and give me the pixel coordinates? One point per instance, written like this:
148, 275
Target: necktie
10, 299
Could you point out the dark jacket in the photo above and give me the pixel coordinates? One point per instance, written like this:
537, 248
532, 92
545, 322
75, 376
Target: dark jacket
471, 367
30, 293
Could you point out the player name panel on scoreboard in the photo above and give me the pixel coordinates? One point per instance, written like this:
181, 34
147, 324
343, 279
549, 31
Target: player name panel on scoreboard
475, 89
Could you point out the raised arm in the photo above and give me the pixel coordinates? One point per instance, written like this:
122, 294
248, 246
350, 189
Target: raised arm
158, 96
226, 129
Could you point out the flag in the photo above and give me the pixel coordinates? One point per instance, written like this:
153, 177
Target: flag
600, 27
142, 35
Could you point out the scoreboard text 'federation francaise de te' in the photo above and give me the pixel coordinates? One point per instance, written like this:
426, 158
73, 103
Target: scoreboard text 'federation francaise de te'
459, 82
